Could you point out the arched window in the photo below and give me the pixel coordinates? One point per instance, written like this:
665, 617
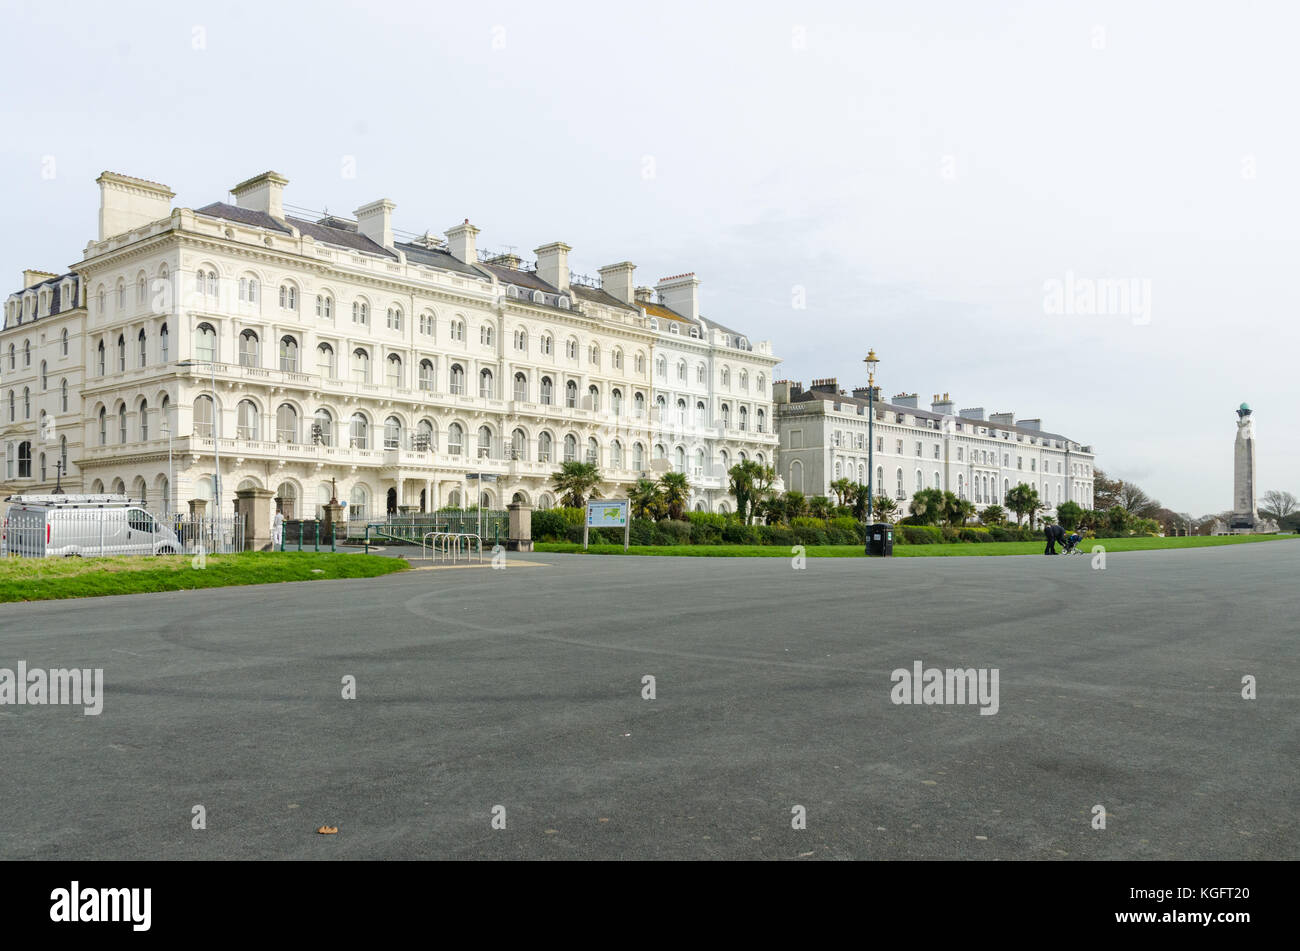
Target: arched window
920, 481
744, 418
593, 355
458, 330
661, 367
681, 412
394, 370
289, 354
699, 462
164, 352
394, 318
286, 424
547, 344
681, 370
521, 388
617, 359
248, 349
548, 391
638, 406
616, 401
570, 448
392, 433
121, 422
358, 501
640, 363
360, 431
679, 459
593, 451
571, 394
63, 452
545, 446
426, 324
246, 419
205, 344
485, 335
325, 361
726, 416
571, 348
457, 379
486, 390
455, 439
593, 397
143, 413
324, 306
744, 381
759, 383
103, 423
426, 375
726, 378
63, 396
485, 443
322, 428
426, 439
121, 353
99, 359
142, 347
203, 416
24, 460
288, 297
63, 346
360, 366
796, 476
638, 456
518, 445
360, 312
762, 421
936, 480
616, 455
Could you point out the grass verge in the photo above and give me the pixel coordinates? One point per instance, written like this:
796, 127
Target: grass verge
953, 549
41, 579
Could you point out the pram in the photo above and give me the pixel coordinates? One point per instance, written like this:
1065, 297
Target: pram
1072, 544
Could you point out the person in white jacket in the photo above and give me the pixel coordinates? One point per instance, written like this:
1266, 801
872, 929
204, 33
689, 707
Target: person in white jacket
277, 530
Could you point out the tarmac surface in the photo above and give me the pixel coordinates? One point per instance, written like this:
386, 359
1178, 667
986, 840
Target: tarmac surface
523, 689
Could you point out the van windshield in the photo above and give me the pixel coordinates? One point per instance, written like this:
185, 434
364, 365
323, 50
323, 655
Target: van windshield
139, 521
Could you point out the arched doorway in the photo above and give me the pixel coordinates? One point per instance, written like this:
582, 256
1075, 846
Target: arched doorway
424, 500
392, 501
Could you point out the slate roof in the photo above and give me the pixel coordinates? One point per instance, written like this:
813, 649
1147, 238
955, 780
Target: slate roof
258, 219
598, 296
436, 257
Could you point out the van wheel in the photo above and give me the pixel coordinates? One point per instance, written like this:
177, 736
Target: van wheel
167, 550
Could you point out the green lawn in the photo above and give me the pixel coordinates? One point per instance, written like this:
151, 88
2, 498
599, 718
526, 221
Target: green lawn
910, 551
40, 579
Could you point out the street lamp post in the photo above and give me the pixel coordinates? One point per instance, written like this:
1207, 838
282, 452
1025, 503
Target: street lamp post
872, 362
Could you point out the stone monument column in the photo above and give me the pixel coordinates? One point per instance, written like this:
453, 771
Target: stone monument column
1244, 513
255, 508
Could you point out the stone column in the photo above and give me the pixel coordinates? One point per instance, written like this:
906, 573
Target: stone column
333, 518
198, 508
521, 527
255, 508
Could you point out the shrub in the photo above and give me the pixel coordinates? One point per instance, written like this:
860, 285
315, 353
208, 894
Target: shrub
919, 534
643, 530
777, 535
949, 533
845, 523
550, 525
973, 535
705, 533
678, 532
737, 534
809, 534
713, 519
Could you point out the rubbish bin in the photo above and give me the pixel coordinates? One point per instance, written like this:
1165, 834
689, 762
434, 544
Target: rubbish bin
880, 539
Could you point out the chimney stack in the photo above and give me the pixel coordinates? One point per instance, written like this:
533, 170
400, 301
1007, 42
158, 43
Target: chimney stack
461, 242
905, 399
616, 280
681, 293
263, 192
1003, 419
1034, 424
375, 221
126, 203
645, 295
944, 406
976, 412
553, 264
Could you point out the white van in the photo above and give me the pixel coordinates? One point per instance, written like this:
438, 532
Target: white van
39, 526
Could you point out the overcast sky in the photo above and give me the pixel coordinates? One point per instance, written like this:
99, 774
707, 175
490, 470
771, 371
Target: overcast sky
916, 175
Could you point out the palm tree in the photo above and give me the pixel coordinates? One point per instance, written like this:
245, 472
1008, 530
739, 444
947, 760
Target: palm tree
794, 504
575, 481
884, 506
819, 506
676, 489
646, 499
1022, 499
843, 489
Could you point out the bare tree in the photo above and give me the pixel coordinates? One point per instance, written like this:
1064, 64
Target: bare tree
1277, 505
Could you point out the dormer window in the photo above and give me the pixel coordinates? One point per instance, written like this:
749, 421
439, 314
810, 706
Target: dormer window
562, 303
672, 328
512, 291
695, 331
539, 297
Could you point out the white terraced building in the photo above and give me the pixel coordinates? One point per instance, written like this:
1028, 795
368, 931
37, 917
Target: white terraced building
300, 349
824, 430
